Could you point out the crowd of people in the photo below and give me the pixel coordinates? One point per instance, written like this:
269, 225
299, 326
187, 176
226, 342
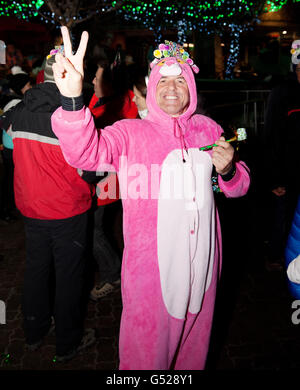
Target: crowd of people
77, 155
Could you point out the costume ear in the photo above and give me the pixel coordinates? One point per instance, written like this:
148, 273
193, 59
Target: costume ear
195, 68
154, 62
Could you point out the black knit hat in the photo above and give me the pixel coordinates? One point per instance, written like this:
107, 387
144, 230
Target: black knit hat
17, 82
50, 60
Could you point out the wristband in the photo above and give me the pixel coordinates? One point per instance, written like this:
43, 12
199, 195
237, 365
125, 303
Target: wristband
229, 175
72, 103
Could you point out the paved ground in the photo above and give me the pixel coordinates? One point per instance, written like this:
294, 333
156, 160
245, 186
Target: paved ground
253, 327
104, 316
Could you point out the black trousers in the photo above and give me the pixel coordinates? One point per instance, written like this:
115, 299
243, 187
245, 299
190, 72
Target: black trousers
282, 209
108, 259
57, 245
7, 199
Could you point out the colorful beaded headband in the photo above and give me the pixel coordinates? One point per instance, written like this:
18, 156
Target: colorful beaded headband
295, 51
58, 49
172, 49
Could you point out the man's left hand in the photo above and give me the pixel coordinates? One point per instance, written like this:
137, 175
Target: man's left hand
222, 156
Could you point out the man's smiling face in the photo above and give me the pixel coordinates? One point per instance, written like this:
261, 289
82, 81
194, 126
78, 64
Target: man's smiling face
172, 95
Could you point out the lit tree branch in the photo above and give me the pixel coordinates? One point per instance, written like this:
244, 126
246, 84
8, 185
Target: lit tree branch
60, 12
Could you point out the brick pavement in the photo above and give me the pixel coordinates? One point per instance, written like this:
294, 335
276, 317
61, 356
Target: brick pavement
252, 328
104, 316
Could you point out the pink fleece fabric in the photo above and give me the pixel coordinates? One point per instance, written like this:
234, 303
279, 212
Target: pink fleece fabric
172, 249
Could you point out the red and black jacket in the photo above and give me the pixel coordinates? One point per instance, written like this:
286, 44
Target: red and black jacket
46, 186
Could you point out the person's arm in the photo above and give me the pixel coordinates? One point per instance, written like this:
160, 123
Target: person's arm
83, 146
237, 182
73, 124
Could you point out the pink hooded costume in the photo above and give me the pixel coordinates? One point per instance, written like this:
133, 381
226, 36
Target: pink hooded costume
172, 238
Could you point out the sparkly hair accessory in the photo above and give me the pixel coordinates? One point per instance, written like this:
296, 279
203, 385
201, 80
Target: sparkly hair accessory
295, 51
172, 49
58, 49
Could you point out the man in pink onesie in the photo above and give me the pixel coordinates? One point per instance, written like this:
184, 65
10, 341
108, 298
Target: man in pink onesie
172, 238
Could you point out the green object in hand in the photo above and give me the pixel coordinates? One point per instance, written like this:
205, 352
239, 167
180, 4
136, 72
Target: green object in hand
241, 135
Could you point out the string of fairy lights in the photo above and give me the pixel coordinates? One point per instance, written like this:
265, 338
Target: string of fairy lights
203, 14
234, 50
21, 9
28, 9
184, 16
209, 17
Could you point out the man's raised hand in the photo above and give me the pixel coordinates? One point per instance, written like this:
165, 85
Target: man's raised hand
68, 69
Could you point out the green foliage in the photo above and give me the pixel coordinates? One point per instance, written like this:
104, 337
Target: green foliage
22, 9
201, 15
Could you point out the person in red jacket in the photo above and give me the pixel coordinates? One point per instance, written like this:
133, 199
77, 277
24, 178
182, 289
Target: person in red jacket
112, 100
54, 201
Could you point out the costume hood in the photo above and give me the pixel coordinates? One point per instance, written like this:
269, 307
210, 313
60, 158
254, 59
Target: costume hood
170, 66
171, 60
175, 63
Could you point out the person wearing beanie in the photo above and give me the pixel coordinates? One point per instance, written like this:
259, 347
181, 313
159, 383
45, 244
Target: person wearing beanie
48, 72
54, 201
17, 70
172, 238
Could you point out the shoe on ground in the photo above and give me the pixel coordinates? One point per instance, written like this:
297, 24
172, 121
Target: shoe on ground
100, 291
88, 339
35, 346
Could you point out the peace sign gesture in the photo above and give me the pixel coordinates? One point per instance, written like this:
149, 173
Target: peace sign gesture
68, 69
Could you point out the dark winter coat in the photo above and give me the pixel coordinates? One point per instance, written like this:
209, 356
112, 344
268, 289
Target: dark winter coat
46, 186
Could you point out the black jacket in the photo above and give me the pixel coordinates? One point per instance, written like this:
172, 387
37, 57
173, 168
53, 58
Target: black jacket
45, 185
281, 136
